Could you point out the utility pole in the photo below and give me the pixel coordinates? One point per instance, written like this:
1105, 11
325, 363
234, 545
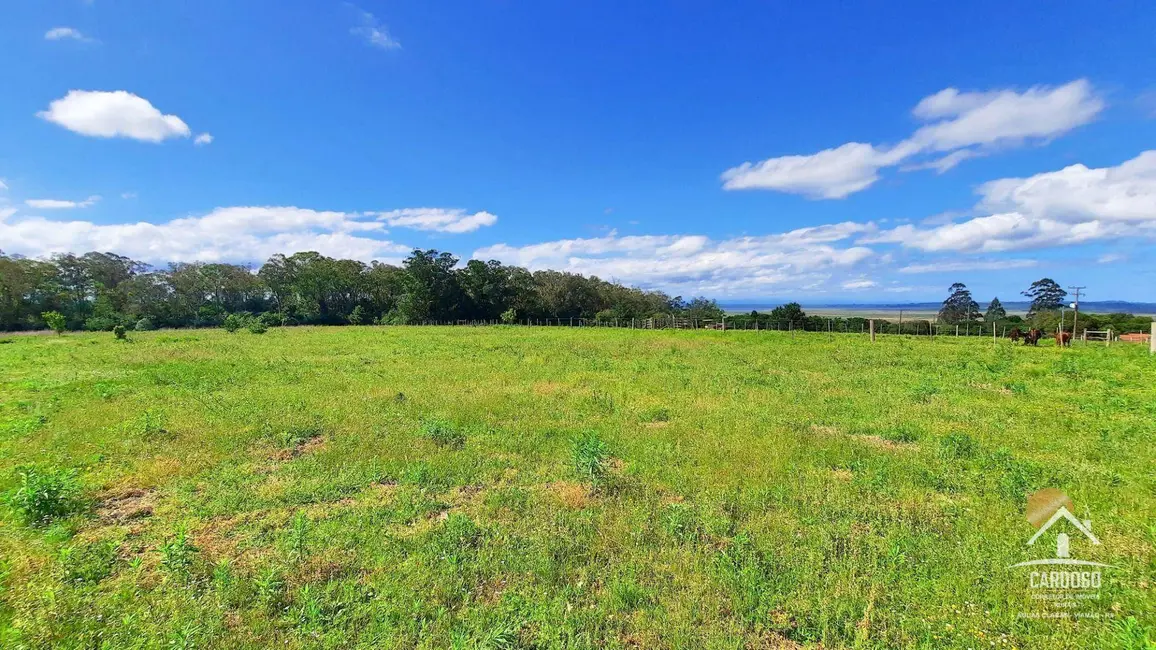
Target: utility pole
1075, 307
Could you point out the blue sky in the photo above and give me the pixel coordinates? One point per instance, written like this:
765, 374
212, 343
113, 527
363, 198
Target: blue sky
827, 152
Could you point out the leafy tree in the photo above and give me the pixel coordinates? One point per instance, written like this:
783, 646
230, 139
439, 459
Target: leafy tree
792, 312
703, 309
510, 316
55, 321
959, 307
1046, 295
995, 311
357, 316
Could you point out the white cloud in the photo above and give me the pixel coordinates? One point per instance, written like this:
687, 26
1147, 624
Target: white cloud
1005, 115
373, 32
1111, 258
3, 185
59, 204
128, 195
437, 219
970, 125
225, 234
5, 213
251, 233
1074, 205
113, 114
860, 284
203, 139
969, 265
66, 33
944, 163
829, 174
694, 264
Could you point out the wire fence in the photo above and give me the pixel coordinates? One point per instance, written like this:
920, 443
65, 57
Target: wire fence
854, 325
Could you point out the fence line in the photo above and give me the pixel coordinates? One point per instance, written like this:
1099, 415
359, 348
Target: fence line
824, 325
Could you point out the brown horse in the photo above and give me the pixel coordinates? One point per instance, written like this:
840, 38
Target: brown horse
1063, 339
1016, 334
1033, 336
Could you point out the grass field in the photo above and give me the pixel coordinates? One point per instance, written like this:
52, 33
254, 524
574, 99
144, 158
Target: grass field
560, 488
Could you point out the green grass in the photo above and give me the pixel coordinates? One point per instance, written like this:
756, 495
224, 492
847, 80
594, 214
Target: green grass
509, 487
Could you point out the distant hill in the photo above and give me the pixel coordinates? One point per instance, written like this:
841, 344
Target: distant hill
917, 308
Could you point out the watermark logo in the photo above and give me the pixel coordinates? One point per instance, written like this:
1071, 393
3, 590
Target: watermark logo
1063, 585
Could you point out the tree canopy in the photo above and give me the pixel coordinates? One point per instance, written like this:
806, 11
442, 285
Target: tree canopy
959, 307
995, 311
99, 291
1046, 295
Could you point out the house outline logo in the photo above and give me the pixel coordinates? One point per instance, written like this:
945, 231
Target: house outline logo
1063, 540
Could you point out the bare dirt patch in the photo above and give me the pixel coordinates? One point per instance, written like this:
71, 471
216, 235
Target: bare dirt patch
309, 446
127, 505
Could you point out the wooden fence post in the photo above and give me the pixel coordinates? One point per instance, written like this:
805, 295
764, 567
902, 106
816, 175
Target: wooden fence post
1152, 340
871, 325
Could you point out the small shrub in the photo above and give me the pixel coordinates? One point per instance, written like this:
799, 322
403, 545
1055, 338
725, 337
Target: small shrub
177, 554
444, 434
144, 325
591, 456
299, 537
233, 322
270, 587
357, 316
88, 563
510, 316
120, 332
55, 321
272, 318
45, 494
958, 445
257, 327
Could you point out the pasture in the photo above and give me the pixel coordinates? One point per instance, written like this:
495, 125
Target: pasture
513, 487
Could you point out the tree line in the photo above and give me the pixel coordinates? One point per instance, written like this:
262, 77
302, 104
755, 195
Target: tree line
1047, 311
100, 291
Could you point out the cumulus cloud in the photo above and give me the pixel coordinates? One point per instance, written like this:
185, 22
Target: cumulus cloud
437, 219
59, 204
203, 139
829, 174
373, 32
236, 234
66, 33
860, 284
963, 125
225, 234
114, 114
1074, 205
692, 264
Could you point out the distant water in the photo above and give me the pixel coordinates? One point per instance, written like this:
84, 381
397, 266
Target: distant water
920, 309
